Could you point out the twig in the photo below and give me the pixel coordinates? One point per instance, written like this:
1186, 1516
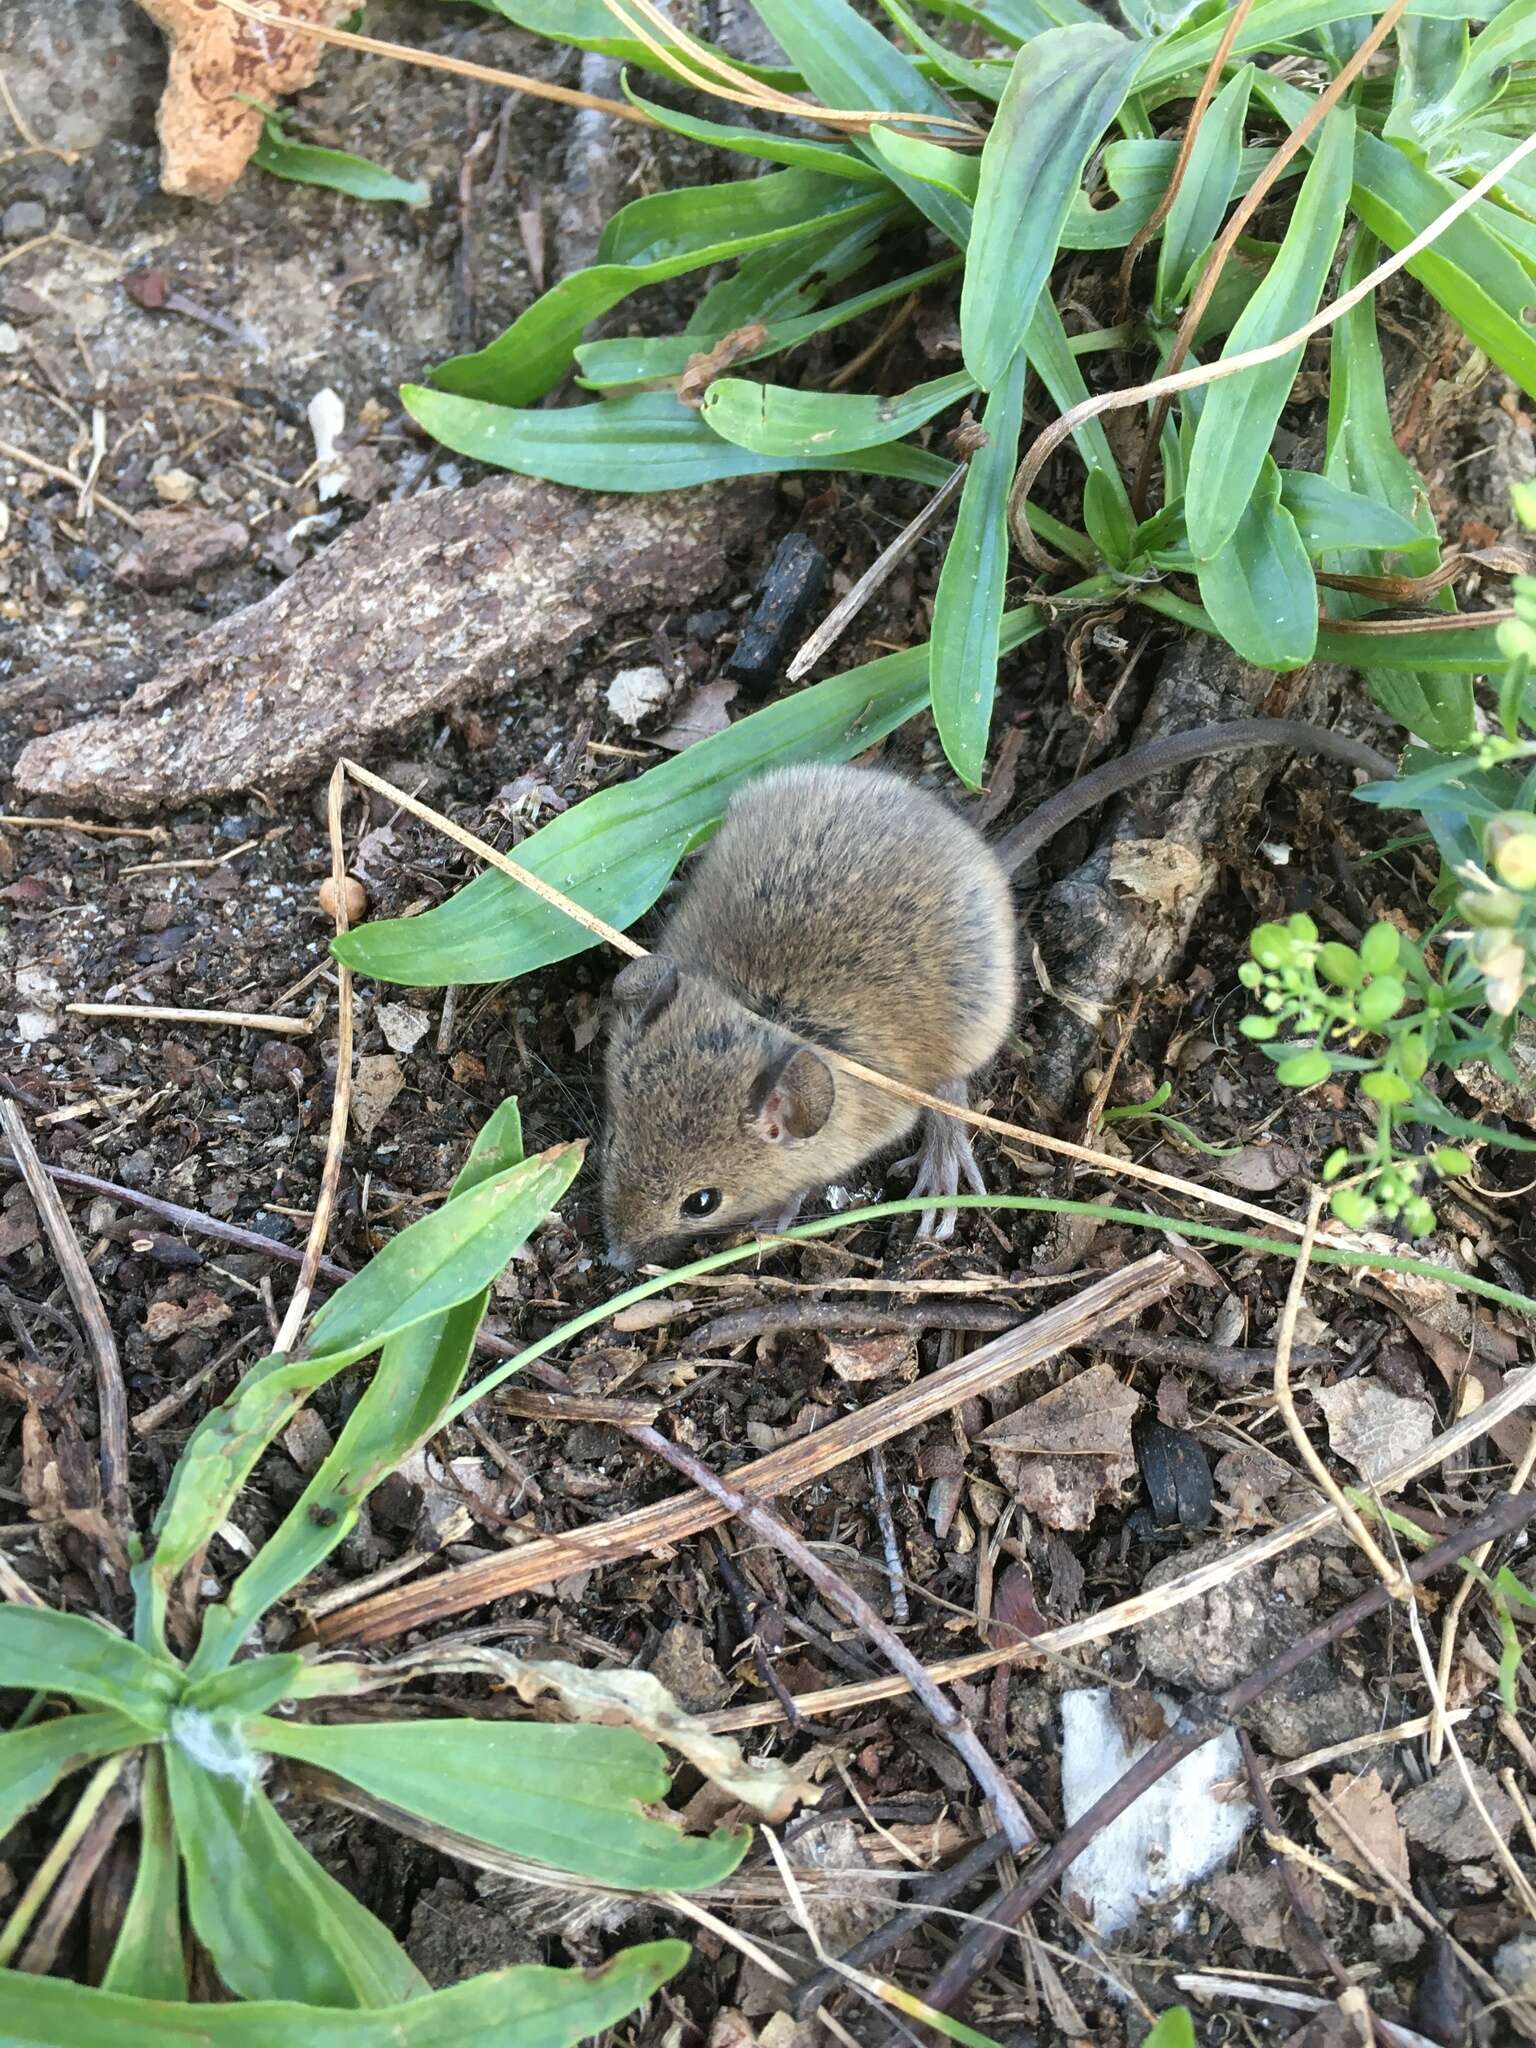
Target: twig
23, 823
148, 1420
341, 1098
153, 1013
1389, 1574
1231, 1365
847, 608
894, 1570
1046, 443
27, 460
1464, 1591
1201, 1722
552, 1407
769, 1318
111, 1400
945, 1715
749, 1611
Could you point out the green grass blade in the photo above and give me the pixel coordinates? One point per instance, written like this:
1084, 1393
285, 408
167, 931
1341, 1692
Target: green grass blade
33, 1760
274, 1923
1239, 415
147, 1959
645, 442
1201, 203
615, 851
1259, 588
42, 1650
1330, 517
968, 608
588, 25
1443, 652
301, 163
785, 279
775, 420
529, 2006
831, 159
1064, 91
568, 1796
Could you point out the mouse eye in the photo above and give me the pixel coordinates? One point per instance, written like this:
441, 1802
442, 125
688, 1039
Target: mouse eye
702, 1202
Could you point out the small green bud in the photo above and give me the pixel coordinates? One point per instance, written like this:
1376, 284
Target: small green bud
1352, 1207
1379, 948
1419, 1217
1304, 1069
1271, 946
1509, 841
1515, 639
1382, 1000
1341, 964
1251, 974
1259, 1027
1450, 1159
1523, 498
1335, 1163
1301, 927
1386, 1087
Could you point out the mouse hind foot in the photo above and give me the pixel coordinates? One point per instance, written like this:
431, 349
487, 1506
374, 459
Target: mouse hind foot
944, 1160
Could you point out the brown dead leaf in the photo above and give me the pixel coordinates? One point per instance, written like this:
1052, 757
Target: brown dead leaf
378, 1080
1258, 1169
167, 1319
1367, 1805
1163, 872
219, 65
706, 712
1372, 1427
18, 1221
701, 370
1440, 1815
873, 1358
1063, 1455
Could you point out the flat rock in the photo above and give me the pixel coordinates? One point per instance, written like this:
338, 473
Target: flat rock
446, 598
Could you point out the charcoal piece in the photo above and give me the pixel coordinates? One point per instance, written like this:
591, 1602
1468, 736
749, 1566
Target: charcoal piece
1176, 1475
789, 592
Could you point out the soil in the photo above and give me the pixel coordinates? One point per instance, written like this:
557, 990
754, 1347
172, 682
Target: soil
301, 289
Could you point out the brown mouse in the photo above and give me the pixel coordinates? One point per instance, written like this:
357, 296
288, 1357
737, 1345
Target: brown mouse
844, 909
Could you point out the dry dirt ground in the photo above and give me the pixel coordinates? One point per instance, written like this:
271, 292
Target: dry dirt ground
290, 290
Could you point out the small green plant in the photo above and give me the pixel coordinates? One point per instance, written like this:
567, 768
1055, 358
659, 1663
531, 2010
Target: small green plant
338, 170
200, 1724
1175, 2029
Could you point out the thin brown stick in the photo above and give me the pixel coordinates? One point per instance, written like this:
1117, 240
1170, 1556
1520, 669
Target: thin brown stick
1200, 1723
23, 823
1115, 1298
942, 1711
154, 1013
1244, 212
341, 1096
771, 1318
111, 1399
847, 609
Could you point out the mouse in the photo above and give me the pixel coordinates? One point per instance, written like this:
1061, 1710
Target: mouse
845, 910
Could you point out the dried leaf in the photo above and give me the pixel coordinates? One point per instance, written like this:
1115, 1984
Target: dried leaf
1367, 1805
1090, 1416
375, 1085
1372, 1427
701, 370
167, 1319
403, 1025
1440, 1815
873, 1358
1163, 872
706, 713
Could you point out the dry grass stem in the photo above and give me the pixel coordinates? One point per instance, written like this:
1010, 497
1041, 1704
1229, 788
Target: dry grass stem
12, 453
1464, 1591
158, 1013
21, 823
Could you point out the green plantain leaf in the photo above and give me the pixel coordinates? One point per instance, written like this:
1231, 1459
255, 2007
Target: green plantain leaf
529, 2006
1328, 517
615, 852
646, 242
1138, 172
336, 169
785, 279
645, 442
44, 1651
147, 1959
832, 159
569, 1796
930, 163
1201, 203
273, 1921
1259, 588
774, 420
1065, 88
589, 25
968, 608
33, 1760
419, 1373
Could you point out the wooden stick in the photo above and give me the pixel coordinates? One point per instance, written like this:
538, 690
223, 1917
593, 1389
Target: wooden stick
156, 1013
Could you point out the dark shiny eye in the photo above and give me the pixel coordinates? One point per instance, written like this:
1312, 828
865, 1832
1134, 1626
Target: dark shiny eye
702, 1202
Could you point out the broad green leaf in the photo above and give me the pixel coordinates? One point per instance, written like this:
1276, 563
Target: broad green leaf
42, 1650
1467, 268
257, 1683
615, 851
33, 1760
147, 1959
419, 1372
786, 279
1402, 645
849, 64
529, 2006
1201, 203
1138, 172
275, 1923
1065, 89
968, 608
930, 163
1259, 588
634, 359
1175, 2029
1329, 517
440, 1261
588, 25
301, 163
797, 151
646, 442
1440, 709
569, 1796
774, 420
1240, 413
1429, 56
647, 242
986, 79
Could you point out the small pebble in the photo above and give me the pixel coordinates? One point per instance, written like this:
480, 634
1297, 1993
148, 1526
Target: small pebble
10, 340
356, 898
175, 486
22, 219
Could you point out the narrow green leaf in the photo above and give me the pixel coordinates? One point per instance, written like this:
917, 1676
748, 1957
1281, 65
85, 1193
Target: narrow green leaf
1329, 517
799, 152
33, 1760
774, 420
647, 442
1509, 39
275, 1923
1240, 414
147, 1960
1201, 203
1259, 588
1436, 651
930, 163
986, 79
1279, 21
257, 1683
530, 2006
1175, 2029
647, 242
784, 279
301, 163
615, 851
44, 1651
1429, 56
588, 25
1138, 171
1065, 89
1051, 358
968, 607
568, 1796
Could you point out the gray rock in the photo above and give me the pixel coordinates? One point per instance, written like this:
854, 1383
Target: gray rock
23, 219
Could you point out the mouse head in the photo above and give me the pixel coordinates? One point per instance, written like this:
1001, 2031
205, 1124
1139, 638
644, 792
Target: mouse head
712, 1112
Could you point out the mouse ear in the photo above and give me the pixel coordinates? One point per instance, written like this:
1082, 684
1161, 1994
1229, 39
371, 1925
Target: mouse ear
646, 986
792, 1099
